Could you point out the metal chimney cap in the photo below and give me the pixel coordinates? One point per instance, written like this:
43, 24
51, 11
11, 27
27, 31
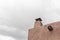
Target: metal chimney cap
38, 19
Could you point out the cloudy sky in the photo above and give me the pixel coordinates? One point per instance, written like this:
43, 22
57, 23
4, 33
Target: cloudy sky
17, 16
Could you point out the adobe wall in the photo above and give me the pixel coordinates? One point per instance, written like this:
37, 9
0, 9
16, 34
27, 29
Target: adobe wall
42, 32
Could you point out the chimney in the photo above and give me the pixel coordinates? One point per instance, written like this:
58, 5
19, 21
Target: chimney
38, 23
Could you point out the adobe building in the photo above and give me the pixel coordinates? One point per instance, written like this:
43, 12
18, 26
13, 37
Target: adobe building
44, 32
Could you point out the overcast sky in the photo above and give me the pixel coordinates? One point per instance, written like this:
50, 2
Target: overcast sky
17, 16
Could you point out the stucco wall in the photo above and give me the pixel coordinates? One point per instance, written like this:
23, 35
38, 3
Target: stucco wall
41, 32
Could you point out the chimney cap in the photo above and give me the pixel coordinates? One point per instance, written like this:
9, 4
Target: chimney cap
38, 19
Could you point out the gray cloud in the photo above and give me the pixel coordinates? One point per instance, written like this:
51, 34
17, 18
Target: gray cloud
3, 37
10, 31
